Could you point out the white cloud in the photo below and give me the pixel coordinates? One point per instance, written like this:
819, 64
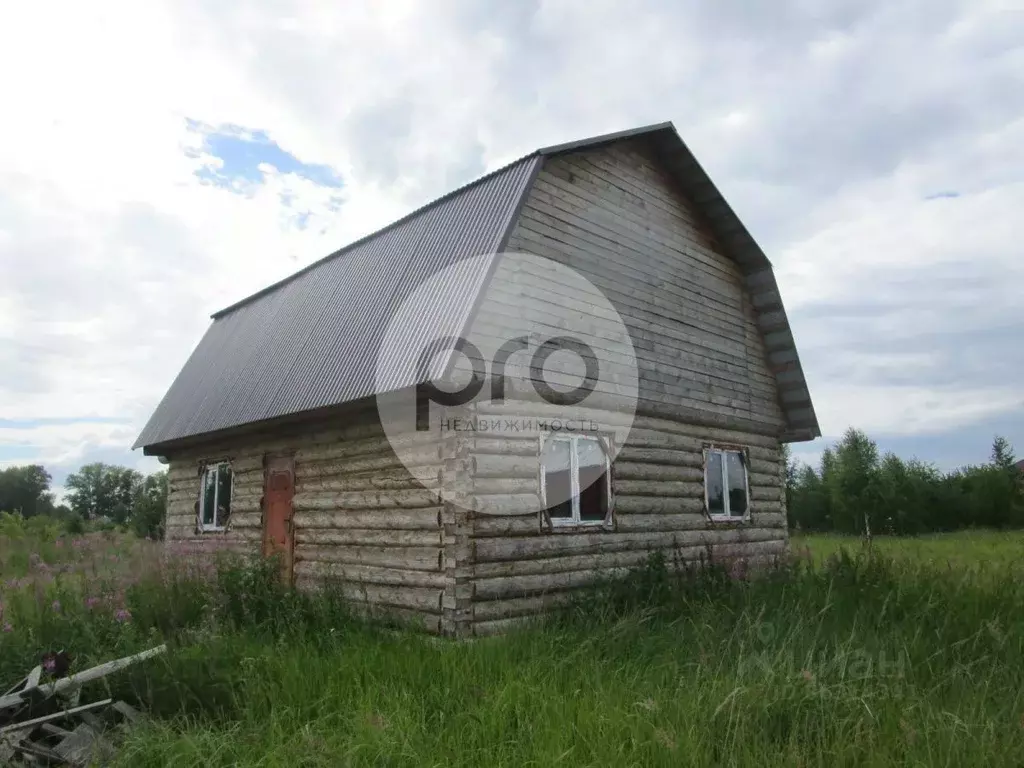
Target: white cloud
64, 444
826, 131
911, 410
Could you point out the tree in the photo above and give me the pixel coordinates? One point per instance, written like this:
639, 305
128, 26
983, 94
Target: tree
103, 490
910, 497
149, 506
26, 490
1002, 454
854, 491
1001, 489
790, 468
853, 483
808, 508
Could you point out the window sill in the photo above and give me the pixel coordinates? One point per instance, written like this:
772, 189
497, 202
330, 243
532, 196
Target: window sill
213, 529
583, 525
729, 519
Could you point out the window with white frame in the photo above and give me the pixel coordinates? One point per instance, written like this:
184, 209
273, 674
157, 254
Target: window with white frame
726, 484
575, 479
215, 497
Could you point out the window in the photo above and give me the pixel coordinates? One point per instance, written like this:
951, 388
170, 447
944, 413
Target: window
215, 497
575, 483
726, 489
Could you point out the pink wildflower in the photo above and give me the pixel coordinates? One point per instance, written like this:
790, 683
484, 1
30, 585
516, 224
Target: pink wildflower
8, 627
55, 605
123, 615
92, 602
50, 663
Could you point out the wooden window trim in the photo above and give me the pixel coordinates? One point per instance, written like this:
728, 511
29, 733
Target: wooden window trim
204, 469
575, 522
722, 450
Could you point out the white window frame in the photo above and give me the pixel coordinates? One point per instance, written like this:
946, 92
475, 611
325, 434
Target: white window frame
215, 468
722, 451
574, 479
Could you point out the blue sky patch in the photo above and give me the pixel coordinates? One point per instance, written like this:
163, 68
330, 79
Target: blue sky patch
241, 152
20, 454
942, 195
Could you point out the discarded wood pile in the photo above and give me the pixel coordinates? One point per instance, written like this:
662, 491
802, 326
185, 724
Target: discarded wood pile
43, 722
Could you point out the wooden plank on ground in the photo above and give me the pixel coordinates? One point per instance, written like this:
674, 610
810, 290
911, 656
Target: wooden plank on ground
55, 716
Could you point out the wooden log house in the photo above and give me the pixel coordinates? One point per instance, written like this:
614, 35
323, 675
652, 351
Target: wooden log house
275, 443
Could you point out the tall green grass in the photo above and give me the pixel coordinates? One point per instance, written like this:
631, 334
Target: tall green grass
861, 662
850, 661
968, 550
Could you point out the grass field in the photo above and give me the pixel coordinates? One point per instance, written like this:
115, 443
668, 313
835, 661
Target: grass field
914, 657
964, 550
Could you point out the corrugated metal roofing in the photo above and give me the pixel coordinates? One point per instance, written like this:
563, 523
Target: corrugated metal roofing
311, 340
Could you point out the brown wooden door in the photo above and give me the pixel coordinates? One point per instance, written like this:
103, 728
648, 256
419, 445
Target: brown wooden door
278, 490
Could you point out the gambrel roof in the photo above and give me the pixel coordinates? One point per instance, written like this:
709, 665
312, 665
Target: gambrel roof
311, 340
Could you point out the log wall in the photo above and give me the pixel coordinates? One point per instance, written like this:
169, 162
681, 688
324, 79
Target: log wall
362, 519
612, 215
520, 568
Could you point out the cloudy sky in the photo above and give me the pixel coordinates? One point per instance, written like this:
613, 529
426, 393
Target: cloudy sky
160, 160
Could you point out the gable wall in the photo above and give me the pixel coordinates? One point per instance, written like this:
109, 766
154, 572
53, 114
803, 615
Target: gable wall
613, 216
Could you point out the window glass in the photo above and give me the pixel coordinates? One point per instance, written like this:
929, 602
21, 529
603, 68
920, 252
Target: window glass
713, 483
209, 496
590, 452
593, 480
223, 494
558, 478
737, 483
215, 497
576, 482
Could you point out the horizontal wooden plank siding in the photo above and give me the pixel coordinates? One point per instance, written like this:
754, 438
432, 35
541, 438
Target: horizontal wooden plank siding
615, 217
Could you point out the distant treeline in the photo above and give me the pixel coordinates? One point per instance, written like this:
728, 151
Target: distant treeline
854, 490
96, 492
